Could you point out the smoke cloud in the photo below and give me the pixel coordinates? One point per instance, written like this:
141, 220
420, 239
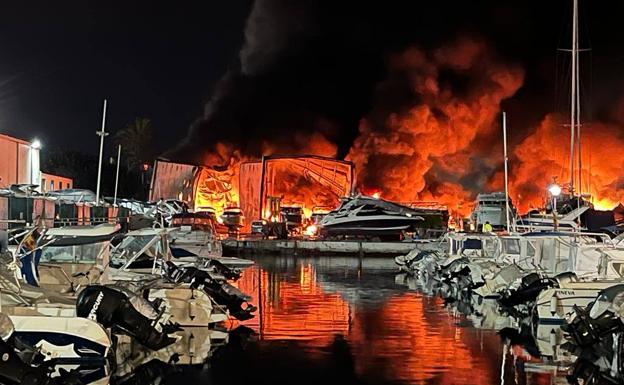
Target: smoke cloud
433, 144
418, 112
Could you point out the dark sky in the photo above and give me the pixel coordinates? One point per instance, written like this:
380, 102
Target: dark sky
153, 59
162, 60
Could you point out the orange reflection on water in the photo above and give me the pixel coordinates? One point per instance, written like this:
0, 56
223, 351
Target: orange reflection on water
407, 338
294, 310
421, 348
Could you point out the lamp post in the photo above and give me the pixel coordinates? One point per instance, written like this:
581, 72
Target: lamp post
554, 190
34, 146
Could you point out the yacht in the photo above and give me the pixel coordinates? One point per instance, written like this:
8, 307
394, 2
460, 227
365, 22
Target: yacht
570, 221
491, 208
194, 294
369, 216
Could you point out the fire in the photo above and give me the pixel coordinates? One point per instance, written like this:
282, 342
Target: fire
421, 151
604, 204
541, 155
438, 140
311, 230
217, 187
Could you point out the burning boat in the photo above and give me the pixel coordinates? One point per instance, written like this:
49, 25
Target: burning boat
370, 217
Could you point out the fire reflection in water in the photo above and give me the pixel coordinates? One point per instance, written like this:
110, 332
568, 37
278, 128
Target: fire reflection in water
408, 338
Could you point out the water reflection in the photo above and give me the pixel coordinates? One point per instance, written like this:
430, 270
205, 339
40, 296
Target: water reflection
354, 305
355, 321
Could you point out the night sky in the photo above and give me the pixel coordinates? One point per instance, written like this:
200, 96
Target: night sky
163, 60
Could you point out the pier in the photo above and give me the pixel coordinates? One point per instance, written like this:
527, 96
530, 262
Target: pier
242, 247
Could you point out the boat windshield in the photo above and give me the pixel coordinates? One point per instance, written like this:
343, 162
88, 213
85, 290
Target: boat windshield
87, 253
511, 246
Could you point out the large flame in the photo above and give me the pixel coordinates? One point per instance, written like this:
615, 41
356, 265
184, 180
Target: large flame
433, 134
542, 156
421, 150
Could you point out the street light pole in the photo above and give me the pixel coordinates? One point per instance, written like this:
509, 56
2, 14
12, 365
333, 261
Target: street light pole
554, 190
102, 134
117, 174
34, 146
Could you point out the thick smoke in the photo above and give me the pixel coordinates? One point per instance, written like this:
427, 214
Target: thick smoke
304, 80
432, 144
416, 108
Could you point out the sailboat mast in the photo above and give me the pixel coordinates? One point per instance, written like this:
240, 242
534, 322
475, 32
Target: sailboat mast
506, 175
578, 106
573, 78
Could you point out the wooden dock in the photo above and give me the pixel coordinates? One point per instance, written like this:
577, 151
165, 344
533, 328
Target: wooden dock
245, 247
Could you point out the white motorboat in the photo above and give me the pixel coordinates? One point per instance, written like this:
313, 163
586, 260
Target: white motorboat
44, 319
143, 257
368, 216
491, 208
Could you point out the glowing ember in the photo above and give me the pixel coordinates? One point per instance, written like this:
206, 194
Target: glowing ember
311, 230
376, 195
604, 204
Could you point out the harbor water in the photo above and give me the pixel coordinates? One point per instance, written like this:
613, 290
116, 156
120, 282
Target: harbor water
358, 321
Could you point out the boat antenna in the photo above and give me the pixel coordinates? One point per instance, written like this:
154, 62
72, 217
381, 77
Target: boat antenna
506, 175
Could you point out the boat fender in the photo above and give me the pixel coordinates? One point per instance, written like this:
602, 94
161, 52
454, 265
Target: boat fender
553, 304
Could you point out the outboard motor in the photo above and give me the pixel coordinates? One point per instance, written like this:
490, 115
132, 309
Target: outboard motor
528, 290
599, 319
588, 373
222, 293
112, 308
227, 272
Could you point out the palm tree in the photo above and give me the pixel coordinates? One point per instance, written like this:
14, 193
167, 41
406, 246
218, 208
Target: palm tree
136, 143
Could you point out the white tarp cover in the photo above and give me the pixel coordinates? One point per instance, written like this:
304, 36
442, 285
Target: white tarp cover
250, 180
173, 181
313, 182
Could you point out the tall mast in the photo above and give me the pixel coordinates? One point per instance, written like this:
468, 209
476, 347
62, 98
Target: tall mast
102, 134
506, 177
578, 108
573, 89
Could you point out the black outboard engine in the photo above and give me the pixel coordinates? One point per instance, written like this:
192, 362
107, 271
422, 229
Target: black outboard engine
530, 287
223, 293
112, 309
227, 272
588, 373
592, 324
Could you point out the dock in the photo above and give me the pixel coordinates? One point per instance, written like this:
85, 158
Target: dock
356, 248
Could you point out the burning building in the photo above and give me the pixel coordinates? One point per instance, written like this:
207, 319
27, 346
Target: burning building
311, 182
420, 121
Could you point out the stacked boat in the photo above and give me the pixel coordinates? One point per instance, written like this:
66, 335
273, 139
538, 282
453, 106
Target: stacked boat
79, 297
532, 283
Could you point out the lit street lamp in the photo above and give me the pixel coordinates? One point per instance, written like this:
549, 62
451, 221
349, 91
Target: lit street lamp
34, 146
554, 190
